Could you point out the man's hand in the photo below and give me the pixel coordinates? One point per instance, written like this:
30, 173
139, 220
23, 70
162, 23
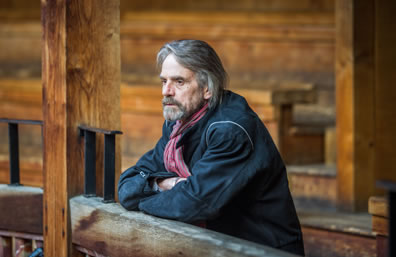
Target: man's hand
169, 183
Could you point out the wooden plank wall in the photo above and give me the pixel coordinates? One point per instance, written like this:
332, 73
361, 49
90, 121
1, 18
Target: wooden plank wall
269, 40
204, 5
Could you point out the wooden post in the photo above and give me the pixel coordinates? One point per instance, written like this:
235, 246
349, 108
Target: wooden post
81, 86
355, 102
365, 59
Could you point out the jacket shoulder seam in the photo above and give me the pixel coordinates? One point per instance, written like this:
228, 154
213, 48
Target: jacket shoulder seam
231, 122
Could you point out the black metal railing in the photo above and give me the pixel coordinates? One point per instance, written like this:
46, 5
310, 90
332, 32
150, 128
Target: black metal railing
391, 188
13, 143
89, 134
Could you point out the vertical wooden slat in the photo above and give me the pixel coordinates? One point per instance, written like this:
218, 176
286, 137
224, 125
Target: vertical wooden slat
5, 246
81, 78
355, 102
53, 17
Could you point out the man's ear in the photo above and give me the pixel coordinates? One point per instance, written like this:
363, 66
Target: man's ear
207, 94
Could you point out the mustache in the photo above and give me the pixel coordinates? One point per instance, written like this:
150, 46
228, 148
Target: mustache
170, 100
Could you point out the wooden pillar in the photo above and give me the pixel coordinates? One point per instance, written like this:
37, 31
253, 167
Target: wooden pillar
385, 90
81, 86
365, 93
355, 102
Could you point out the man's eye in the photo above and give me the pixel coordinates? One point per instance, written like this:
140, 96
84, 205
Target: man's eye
163, 81
180, 82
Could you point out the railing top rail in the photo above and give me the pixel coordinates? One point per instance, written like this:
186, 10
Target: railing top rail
99, 130
29, 122
130, 231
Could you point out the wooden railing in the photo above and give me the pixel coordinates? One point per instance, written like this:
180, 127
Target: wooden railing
100, 229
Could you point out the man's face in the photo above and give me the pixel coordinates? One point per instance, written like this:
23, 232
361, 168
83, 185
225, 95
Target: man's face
182, 95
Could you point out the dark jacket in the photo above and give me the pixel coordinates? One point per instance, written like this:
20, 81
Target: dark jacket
238, 185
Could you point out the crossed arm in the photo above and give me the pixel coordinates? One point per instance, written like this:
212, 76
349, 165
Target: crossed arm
221, 173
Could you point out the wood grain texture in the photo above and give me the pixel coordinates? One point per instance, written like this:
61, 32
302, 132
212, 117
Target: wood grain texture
324, 243
380, 225
227, 5
54, 131
81, 78
313, 190
110, 230
382, 246
21, 209
355, 103
266, 45
378, 206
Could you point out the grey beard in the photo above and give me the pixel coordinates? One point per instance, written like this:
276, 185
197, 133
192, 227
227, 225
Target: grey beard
172, 114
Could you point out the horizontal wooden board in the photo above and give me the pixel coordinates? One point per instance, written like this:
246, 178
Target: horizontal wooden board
22, 209
324, 243
127, 232
265, 45
378, 206
313, 190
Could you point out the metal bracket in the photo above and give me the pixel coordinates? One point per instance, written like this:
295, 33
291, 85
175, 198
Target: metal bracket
89, 134
13, 144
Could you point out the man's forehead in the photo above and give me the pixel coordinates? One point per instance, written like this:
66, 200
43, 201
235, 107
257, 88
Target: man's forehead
172, 68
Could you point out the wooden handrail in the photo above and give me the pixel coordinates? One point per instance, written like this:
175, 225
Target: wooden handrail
110, 230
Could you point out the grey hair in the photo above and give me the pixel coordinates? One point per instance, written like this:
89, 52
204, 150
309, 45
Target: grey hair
199, 57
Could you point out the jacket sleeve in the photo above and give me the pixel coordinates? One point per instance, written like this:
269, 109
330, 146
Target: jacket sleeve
220, 174
133, 185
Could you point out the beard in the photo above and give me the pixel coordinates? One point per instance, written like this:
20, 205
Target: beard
175, 112
178, 111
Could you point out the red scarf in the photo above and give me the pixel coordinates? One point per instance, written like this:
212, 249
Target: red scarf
173, 157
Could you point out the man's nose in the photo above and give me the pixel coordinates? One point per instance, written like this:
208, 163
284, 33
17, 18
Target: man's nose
168, 89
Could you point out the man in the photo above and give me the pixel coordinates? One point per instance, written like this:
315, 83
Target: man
215, 162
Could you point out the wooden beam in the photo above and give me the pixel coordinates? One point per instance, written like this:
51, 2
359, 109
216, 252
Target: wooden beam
110, 230
81, 78
355, 103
